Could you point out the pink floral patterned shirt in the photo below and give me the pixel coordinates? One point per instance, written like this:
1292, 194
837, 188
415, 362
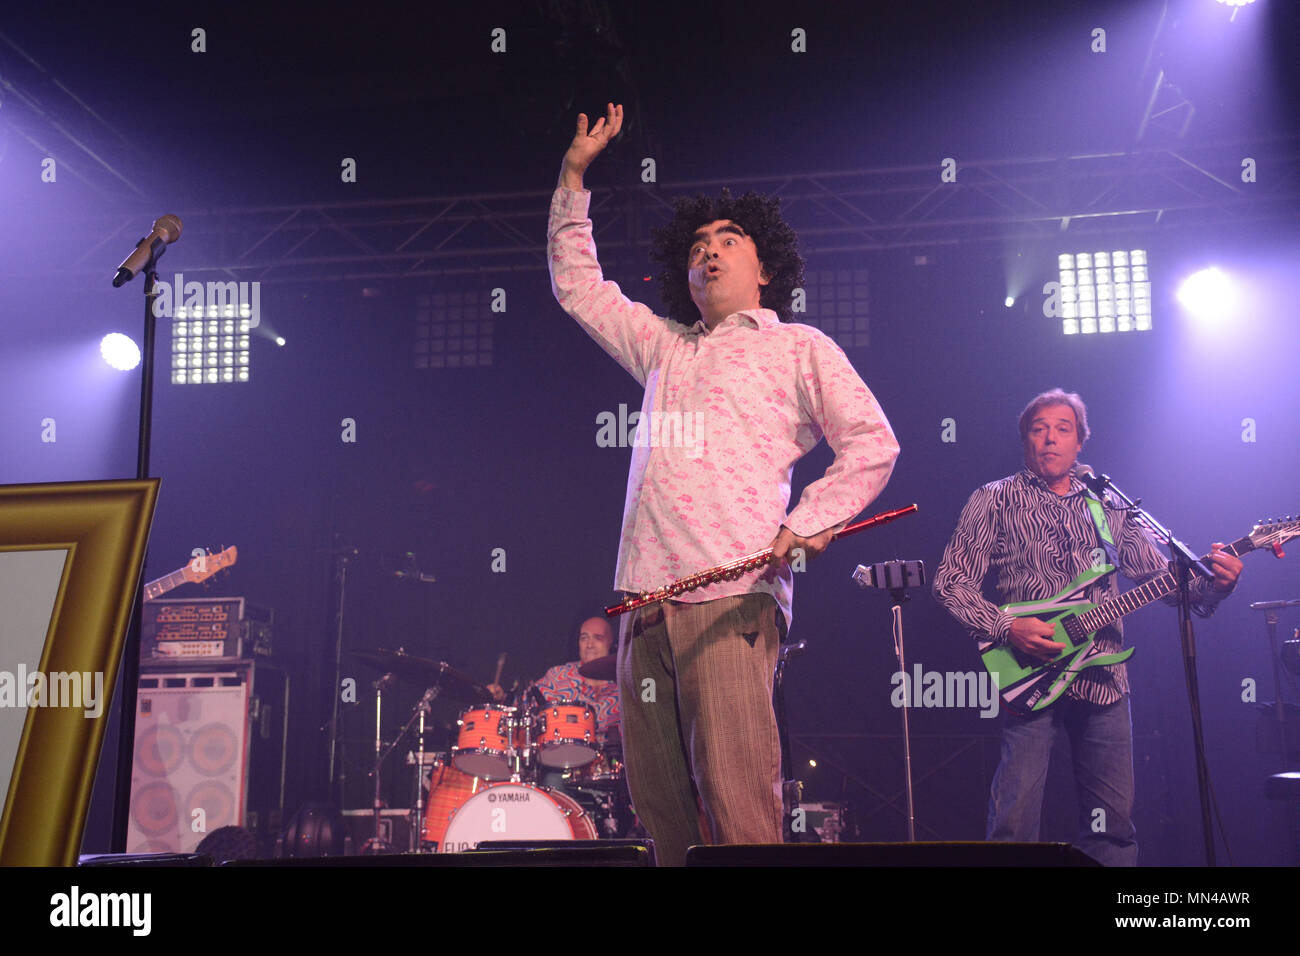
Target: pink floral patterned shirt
725, 416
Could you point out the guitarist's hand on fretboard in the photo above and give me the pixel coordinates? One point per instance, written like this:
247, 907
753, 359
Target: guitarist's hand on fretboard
1226, 567
1029, 636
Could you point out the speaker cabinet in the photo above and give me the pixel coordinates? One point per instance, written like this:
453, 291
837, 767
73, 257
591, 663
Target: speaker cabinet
209, 753
891, 855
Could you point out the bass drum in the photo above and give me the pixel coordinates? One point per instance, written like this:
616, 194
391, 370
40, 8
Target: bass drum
516, 811
448, 791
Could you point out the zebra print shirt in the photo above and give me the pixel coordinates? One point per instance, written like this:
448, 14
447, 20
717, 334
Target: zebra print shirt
1036, 542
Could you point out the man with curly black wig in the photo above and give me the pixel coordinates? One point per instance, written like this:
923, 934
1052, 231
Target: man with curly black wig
735, 394
759, 218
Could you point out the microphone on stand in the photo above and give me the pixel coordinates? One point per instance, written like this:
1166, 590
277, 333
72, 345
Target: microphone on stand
412, 574
166, 230
1096, 483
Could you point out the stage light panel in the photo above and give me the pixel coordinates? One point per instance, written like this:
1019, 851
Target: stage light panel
212, 350
1104, 291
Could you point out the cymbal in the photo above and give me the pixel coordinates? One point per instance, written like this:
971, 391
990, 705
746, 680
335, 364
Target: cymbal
455, 683
602, 668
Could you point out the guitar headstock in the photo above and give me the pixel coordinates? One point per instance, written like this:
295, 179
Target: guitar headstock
205, 566
1274, 533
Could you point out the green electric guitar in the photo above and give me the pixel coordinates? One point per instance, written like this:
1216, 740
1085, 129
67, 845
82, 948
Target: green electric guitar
1028, 684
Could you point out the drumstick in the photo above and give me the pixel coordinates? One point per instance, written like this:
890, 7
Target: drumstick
501, 663
735, 569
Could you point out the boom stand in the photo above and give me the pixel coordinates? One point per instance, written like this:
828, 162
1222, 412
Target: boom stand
131, 648
1184, 562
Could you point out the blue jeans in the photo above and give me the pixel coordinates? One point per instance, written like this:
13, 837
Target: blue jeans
1101, 740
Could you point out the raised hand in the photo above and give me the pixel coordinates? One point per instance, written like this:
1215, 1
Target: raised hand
587, 145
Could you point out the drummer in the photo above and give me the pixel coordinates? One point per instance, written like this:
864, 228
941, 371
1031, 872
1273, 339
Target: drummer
563, 682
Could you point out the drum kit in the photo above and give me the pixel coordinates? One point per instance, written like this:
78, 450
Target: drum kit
528, 769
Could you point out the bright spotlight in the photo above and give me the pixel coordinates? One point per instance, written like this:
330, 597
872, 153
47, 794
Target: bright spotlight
1236, 5
119, 351
279, 340
1009, 301
1207, 294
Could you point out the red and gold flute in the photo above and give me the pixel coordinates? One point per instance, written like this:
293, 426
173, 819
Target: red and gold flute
734, 569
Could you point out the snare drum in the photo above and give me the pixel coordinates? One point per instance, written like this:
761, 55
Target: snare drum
483, 744
516, 811
603, 773
568, 736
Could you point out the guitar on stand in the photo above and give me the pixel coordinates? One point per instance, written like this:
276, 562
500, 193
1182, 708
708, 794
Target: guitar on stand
196, 571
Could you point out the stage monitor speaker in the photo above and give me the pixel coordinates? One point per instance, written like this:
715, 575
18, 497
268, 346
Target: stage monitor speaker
890, 854
602, 853
209, 752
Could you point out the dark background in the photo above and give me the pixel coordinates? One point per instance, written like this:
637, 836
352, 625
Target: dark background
453, 463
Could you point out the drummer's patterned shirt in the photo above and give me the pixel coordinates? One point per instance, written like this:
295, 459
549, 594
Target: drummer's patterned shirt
564, 683
725, 416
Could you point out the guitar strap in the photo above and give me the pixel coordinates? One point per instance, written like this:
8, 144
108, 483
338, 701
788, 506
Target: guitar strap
1107, 541
1104, 537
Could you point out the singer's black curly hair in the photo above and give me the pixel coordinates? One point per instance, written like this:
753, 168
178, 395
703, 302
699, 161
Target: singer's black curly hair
760, 217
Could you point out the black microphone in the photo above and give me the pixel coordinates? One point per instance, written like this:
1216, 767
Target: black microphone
166, 230
414, 577
1096, 483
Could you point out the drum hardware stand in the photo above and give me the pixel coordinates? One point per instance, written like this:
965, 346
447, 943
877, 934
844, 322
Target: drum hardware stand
896, 577
609, 815
519, 759
529, 704
376, 844
1270, 609
422, 711
337, 771
607, 810
1279, 659
791, 789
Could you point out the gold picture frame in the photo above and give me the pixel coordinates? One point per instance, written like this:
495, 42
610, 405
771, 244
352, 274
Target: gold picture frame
102, 530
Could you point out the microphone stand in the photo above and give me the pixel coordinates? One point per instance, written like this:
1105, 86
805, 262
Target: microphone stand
338, 774
1184, 563
131, 648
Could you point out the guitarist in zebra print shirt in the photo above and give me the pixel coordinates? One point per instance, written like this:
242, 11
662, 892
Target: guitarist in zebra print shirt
1034, 530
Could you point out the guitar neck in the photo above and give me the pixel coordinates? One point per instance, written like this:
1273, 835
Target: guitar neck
1108, 612
162, 585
